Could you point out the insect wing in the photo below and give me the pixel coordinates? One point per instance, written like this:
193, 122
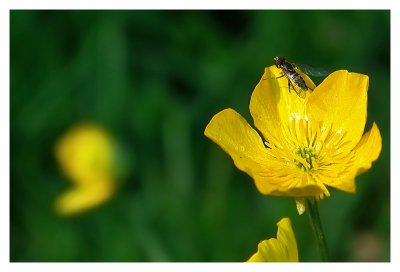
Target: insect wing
312, 71
301, 93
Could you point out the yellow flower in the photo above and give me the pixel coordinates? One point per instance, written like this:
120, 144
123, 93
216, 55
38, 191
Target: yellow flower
281, 249
86, 155
301, 146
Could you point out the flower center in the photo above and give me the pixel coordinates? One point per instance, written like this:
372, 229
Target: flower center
304, 158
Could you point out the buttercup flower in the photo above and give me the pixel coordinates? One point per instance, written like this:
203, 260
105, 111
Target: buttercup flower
281, 249
86, 155
301, 146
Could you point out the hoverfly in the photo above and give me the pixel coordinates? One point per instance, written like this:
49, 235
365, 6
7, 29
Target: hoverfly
295, 80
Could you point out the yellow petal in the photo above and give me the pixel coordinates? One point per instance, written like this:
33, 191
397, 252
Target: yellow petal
282, 249
83, 197
368, 149
85, 153
286, 182
273, 106
346, 182
233, 134
341, 101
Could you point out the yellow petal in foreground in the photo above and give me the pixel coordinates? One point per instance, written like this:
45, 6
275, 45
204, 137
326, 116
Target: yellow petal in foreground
344, 95
368, 149
280, 249
272, 104
232, 132
304, 145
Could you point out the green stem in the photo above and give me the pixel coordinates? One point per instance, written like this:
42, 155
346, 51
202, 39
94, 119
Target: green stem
312, 207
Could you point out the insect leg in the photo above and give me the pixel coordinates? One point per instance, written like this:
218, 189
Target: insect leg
282, 75
275, 77
279, 76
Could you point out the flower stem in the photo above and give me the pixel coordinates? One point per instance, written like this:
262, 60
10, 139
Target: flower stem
312, 207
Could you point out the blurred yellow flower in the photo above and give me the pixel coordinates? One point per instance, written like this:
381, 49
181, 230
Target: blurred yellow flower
281, 249
301, 146
86, 155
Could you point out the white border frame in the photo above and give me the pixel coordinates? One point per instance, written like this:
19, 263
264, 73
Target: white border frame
205, 4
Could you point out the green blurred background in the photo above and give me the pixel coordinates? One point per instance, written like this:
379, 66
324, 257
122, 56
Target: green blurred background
154, 79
